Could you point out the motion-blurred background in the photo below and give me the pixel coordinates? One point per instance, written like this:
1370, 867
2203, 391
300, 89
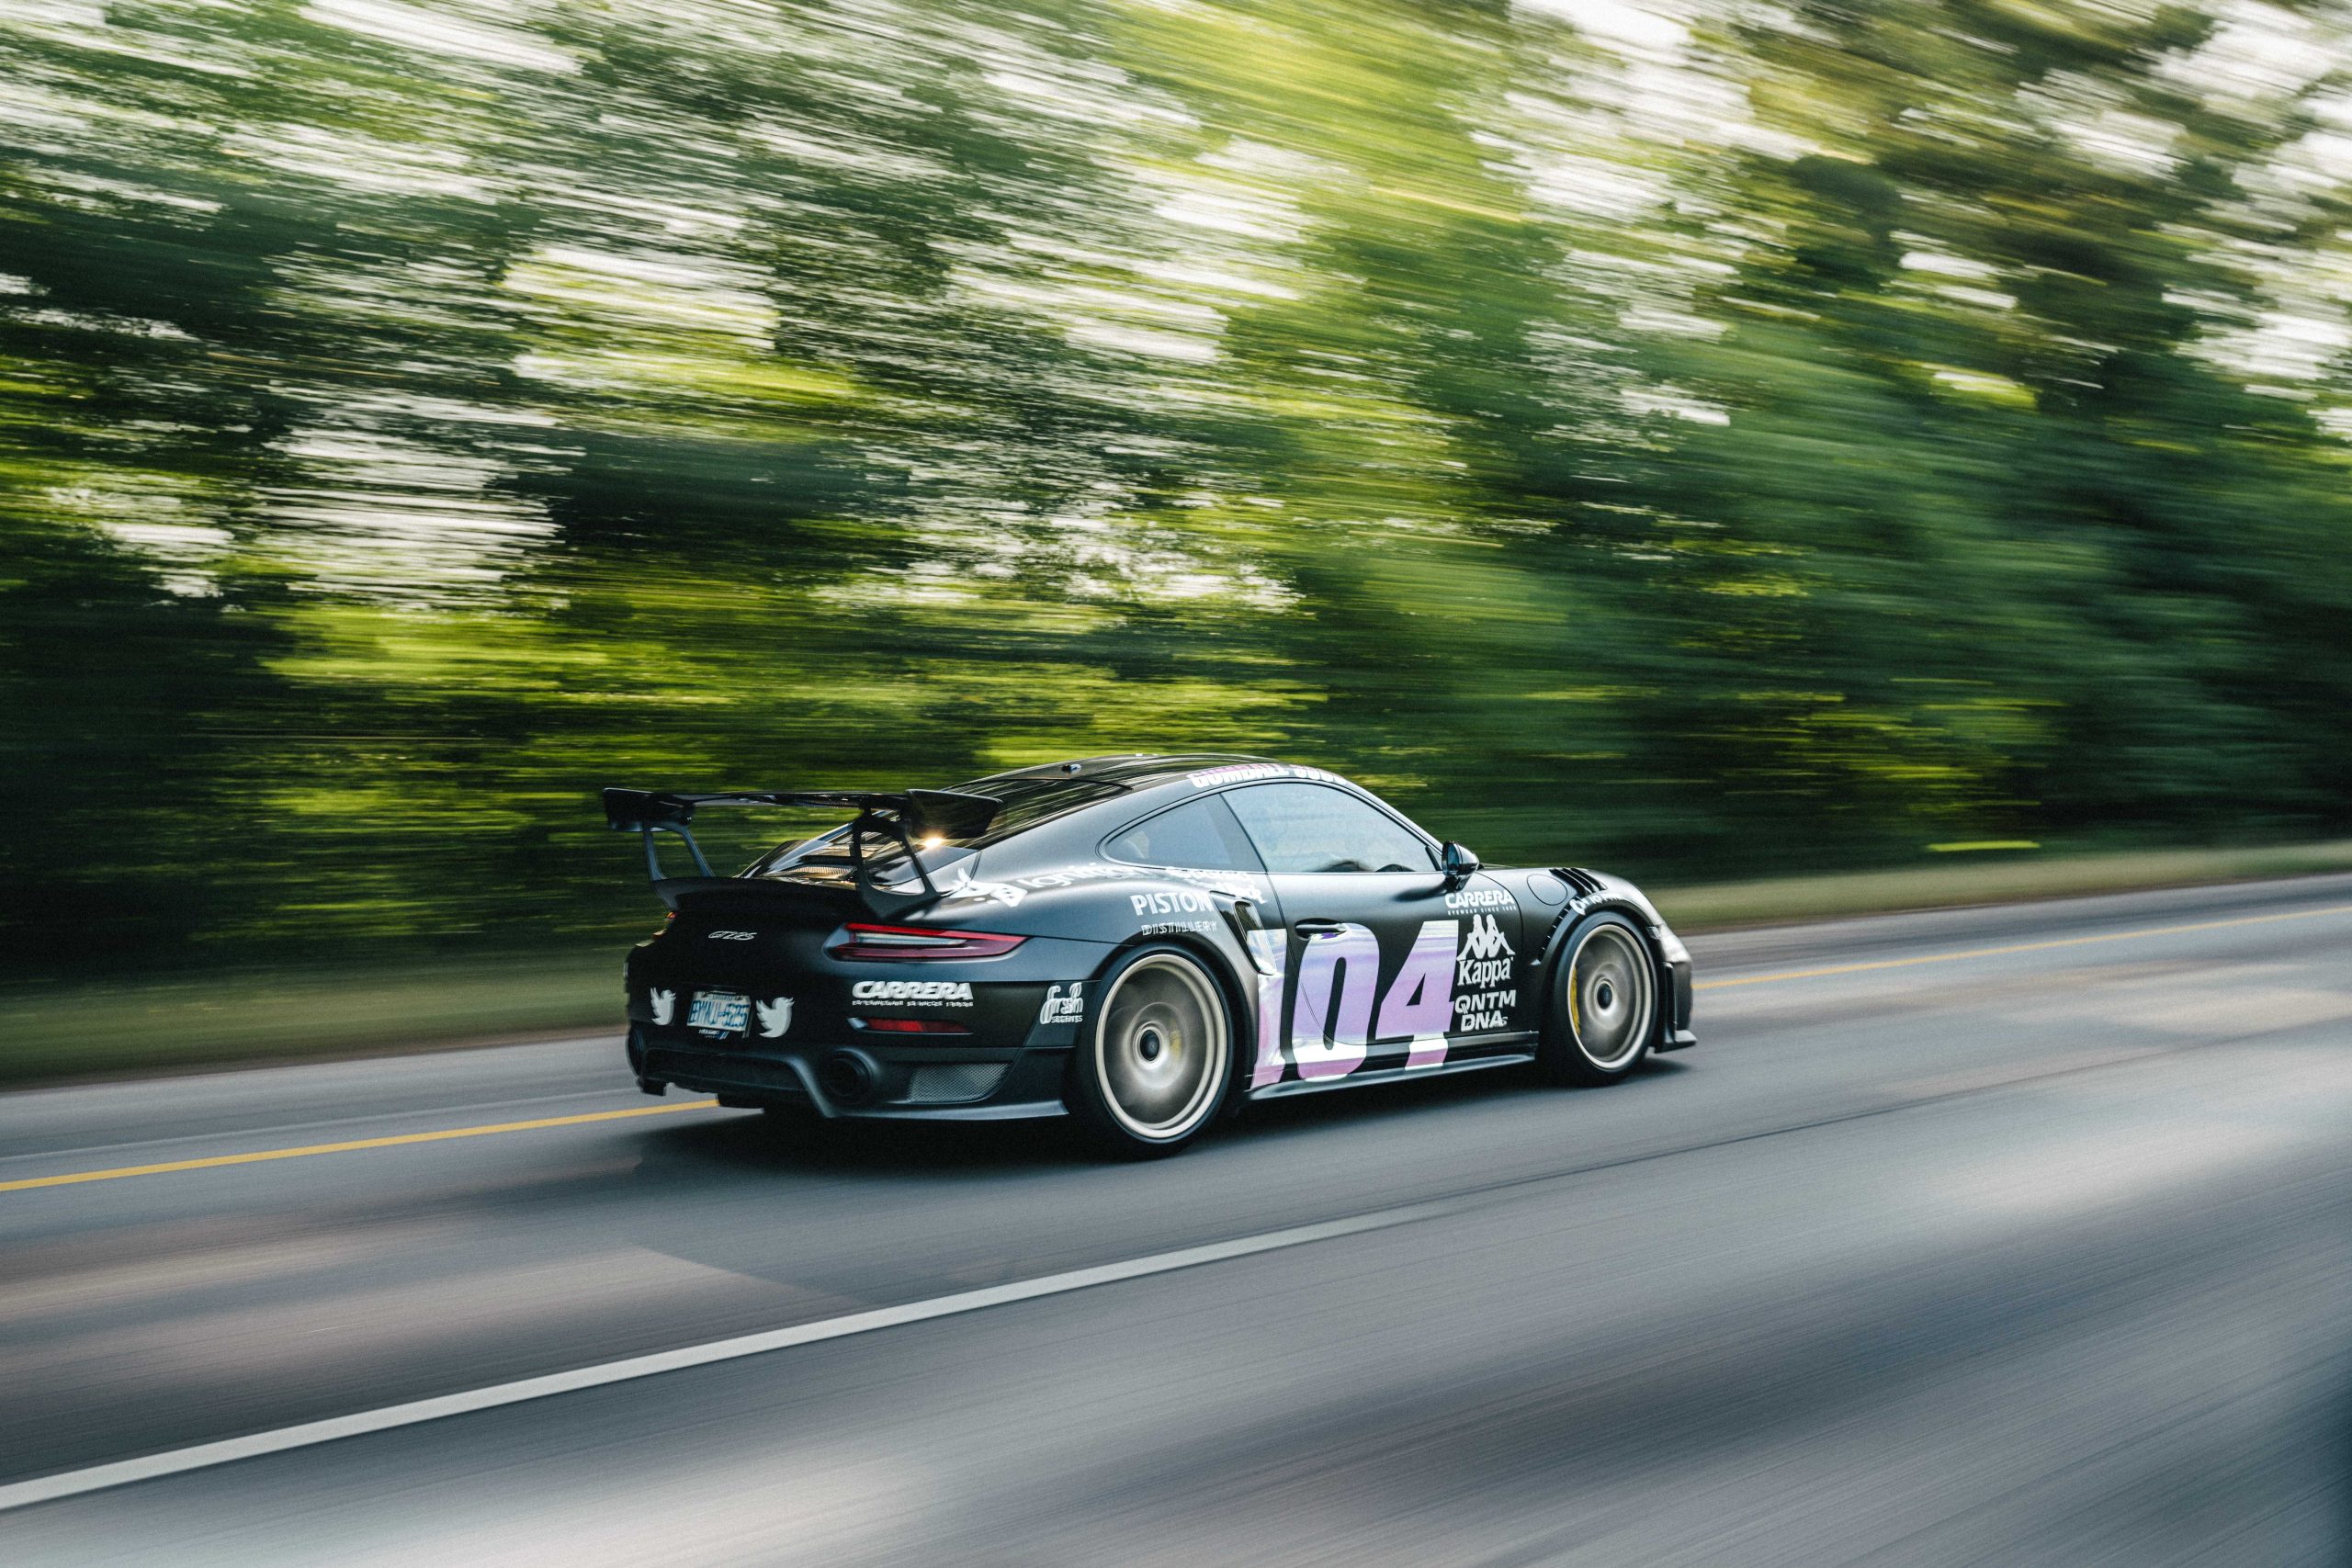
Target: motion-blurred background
1704, 438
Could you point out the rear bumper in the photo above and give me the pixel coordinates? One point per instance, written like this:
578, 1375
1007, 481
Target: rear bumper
864, 1081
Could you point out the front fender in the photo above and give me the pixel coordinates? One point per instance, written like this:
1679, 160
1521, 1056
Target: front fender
1594, 892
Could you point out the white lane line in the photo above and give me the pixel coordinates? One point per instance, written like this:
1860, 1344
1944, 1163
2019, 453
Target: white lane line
97, 1477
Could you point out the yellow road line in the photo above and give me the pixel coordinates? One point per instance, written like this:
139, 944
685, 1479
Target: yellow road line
2020, 947
259, 1154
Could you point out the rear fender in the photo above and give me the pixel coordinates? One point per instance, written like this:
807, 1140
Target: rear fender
1228, 965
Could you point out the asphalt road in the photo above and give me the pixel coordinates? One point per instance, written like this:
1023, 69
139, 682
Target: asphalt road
1926, 1253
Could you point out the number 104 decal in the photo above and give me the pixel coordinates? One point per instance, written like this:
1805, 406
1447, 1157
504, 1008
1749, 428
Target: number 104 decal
1448, 981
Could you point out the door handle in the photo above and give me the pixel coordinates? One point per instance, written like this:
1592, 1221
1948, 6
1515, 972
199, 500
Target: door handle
1319, 928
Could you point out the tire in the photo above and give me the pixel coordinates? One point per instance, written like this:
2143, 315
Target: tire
1153, 1065
1604, 1011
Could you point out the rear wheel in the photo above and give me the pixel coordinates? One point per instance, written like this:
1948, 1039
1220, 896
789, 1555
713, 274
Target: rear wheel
1152, 1067
1603, 1016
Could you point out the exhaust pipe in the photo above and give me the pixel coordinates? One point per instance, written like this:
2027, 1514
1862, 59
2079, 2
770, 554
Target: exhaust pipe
847, 1077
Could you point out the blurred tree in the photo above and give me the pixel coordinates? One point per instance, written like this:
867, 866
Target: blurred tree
1700, 438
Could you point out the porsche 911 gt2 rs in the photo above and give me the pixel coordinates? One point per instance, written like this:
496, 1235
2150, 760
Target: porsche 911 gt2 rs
1135, 942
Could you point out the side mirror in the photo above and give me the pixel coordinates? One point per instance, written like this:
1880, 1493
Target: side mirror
1456, 862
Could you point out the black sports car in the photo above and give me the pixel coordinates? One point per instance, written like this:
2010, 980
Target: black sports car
1135, 942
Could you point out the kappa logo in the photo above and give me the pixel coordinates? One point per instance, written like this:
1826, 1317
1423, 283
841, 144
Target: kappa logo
954, 993
1060, 1008
1485, 939
1486, 956
664, 1003
776, 1016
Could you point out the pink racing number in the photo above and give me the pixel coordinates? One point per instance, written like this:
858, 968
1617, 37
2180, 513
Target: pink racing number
1420, 1000
1328, 1036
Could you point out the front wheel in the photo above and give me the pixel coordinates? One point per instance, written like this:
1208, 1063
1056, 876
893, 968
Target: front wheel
1152, 1067
1603, 1016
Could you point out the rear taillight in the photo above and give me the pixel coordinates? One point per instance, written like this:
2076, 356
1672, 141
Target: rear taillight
908, 1026
899, 942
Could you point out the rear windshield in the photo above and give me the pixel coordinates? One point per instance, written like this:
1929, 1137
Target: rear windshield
1028, 801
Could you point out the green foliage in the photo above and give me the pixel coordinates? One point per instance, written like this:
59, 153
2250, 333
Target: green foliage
1709, 441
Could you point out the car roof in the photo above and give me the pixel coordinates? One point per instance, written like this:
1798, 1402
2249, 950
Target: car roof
1107, 790
1132, 770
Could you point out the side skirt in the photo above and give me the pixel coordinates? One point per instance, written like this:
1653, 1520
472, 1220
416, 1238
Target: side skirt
1517, 1051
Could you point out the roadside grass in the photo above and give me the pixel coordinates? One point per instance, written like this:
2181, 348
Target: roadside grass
2012, 877
237, 1019
231, 1019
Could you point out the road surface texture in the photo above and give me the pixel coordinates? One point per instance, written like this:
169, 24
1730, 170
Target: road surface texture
2014, 1236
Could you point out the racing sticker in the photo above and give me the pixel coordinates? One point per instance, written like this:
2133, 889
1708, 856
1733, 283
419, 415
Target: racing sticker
934, 993
1453, 981
1003, 892
1419, 1003
1267, 951
775, 1017
1182, 901
1239, 772
1486, 955
1060, 1008
1484, 997
1331, 1029
664, 1003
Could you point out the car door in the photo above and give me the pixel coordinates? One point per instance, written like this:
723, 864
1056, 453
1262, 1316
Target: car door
1389, 964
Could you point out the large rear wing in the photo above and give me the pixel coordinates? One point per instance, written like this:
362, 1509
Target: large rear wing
906, 816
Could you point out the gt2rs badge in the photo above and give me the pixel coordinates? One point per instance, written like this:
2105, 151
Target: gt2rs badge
1060, 1008
937, 993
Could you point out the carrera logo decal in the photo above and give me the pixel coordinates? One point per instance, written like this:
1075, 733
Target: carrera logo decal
945, 993
1478, 899
1060, 1008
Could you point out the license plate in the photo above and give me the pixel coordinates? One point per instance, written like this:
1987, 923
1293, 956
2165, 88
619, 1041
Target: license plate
719, 1012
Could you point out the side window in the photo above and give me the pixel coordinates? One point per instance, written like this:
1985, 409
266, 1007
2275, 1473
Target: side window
1309, 827
1201, 834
